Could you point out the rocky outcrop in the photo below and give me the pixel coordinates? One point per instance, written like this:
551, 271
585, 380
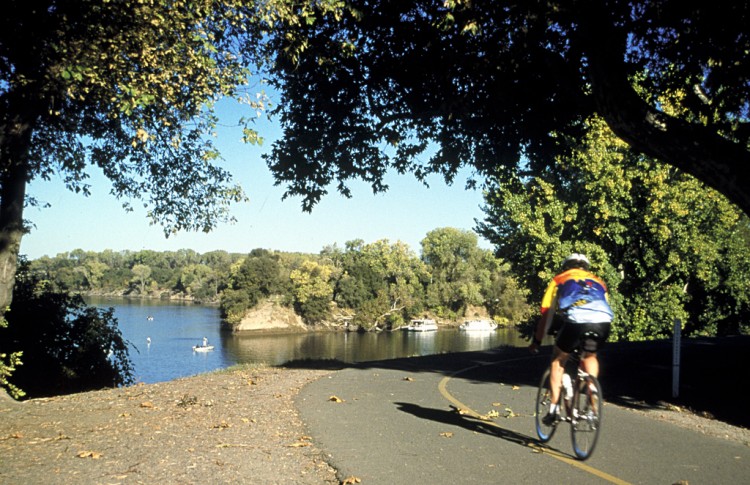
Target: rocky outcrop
270, 315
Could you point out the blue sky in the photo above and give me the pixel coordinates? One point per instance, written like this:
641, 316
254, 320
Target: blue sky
407, 212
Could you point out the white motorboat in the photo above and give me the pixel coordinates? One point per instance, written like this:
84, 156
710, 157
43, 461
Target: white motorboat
202, 348
422, 325
478, 326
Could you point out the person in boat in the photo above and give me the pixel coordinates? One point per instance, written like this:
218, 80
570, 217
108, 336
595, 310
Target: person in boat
205, 342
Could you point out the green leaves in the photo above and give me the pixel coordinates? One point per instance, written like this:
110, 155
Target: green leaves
69, 347
129, 87
462, 276
73, 73
313, 290
666, 244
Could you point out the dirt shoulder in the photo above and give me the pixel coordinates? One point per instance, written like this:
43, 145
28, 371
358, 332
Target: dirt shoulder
237, 426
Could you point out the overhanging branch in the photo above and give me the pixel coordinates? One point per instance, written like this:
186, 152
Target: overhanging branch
693, 148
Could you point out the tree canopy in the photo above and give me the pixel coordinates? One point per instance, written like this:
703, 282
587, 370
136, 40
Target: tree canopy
431, 85
125, 86
668, 246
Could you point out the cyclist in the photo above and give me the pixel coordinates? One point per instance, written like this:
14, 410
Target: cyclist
575, 306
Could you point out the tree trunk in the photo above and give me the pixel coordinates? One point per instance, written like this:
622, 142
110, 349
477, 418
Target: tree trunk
11, 231
15, 140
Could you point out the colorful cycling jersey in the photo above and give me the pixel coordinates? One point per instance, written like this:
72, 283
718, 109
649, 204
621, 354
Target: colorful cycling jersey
579, 297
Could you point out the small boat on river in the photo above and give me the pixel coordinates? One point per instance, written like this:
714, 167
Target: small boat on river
204, 347
478, 326
422, 325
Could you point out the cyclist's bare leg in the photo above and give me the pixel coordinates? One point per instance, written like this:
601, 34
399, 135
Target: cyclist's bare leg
591, 363
557, 368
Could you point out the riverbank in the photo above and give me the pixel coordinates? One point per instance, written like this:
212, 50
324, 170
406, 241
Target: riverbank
233, 426
159, 295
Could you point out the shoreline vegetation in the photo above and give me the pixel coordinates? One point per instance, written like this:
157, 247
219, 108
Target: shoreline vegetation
370, 286
72, 338
269, 316
163, 295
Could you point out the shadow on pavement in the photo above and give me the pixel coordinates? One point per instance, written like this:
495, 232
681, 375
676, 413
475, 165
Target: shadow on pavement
453, 418
712, 374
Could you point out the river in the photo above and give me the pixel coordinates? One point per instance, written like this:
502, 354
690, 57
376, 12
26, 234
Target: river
161, 336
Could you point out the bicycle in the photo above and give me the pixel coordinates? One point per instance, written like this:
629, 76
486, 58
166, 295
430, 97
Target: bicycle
582, 405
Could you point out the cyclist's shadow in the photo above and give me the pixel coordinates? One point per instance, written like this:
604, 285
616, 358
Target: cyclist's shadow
471, 423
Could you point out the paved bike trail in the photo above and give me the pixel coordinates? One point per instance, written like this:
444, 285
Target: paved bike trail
468, 418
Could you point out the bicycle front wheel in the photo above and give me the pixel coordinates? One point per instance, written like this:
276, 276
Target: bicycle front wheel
586, 422
543, 401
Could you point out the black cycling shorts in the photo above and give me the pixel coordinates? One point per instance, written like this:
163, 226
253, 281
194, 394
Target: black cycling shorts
569, 336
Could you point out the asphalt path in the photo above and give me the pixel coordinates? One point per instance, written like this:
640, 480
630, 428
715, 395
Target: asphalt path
468, 418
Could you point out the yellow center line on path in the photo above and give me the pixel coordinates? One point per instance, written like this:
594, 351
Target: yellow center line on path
443, 388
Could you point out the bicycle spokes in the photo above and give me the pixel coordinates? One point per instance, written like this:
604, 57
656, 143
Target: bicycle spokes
586, 423
543, 402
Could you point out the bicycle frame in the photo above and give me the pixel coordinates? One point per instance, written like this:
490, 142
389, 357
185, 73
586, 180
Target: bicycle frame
582, 408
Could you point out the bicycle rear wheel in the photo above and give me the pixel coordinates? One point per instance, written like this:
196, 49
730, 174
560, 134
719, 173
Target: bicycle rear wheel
543, 401
586, 423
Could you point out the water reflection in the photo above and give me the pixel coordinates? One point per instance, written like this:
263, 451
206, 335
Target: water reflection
161, 336
355, 347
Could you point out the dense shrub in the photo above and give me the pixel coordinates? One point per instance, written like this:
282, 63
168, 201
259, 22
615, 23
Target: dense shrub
66, 346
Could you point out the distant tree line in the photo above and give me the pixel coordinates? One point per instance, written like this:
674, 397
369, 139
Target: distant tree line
382, 285
139, 273
371, 285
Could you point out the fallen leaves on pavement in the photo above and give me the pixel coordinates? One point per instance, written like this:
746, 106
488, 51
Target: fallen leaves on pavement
303, 441
89, 454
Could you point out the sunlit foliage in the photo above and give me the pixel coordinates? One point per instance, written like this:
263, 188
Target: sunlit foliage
669, 247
